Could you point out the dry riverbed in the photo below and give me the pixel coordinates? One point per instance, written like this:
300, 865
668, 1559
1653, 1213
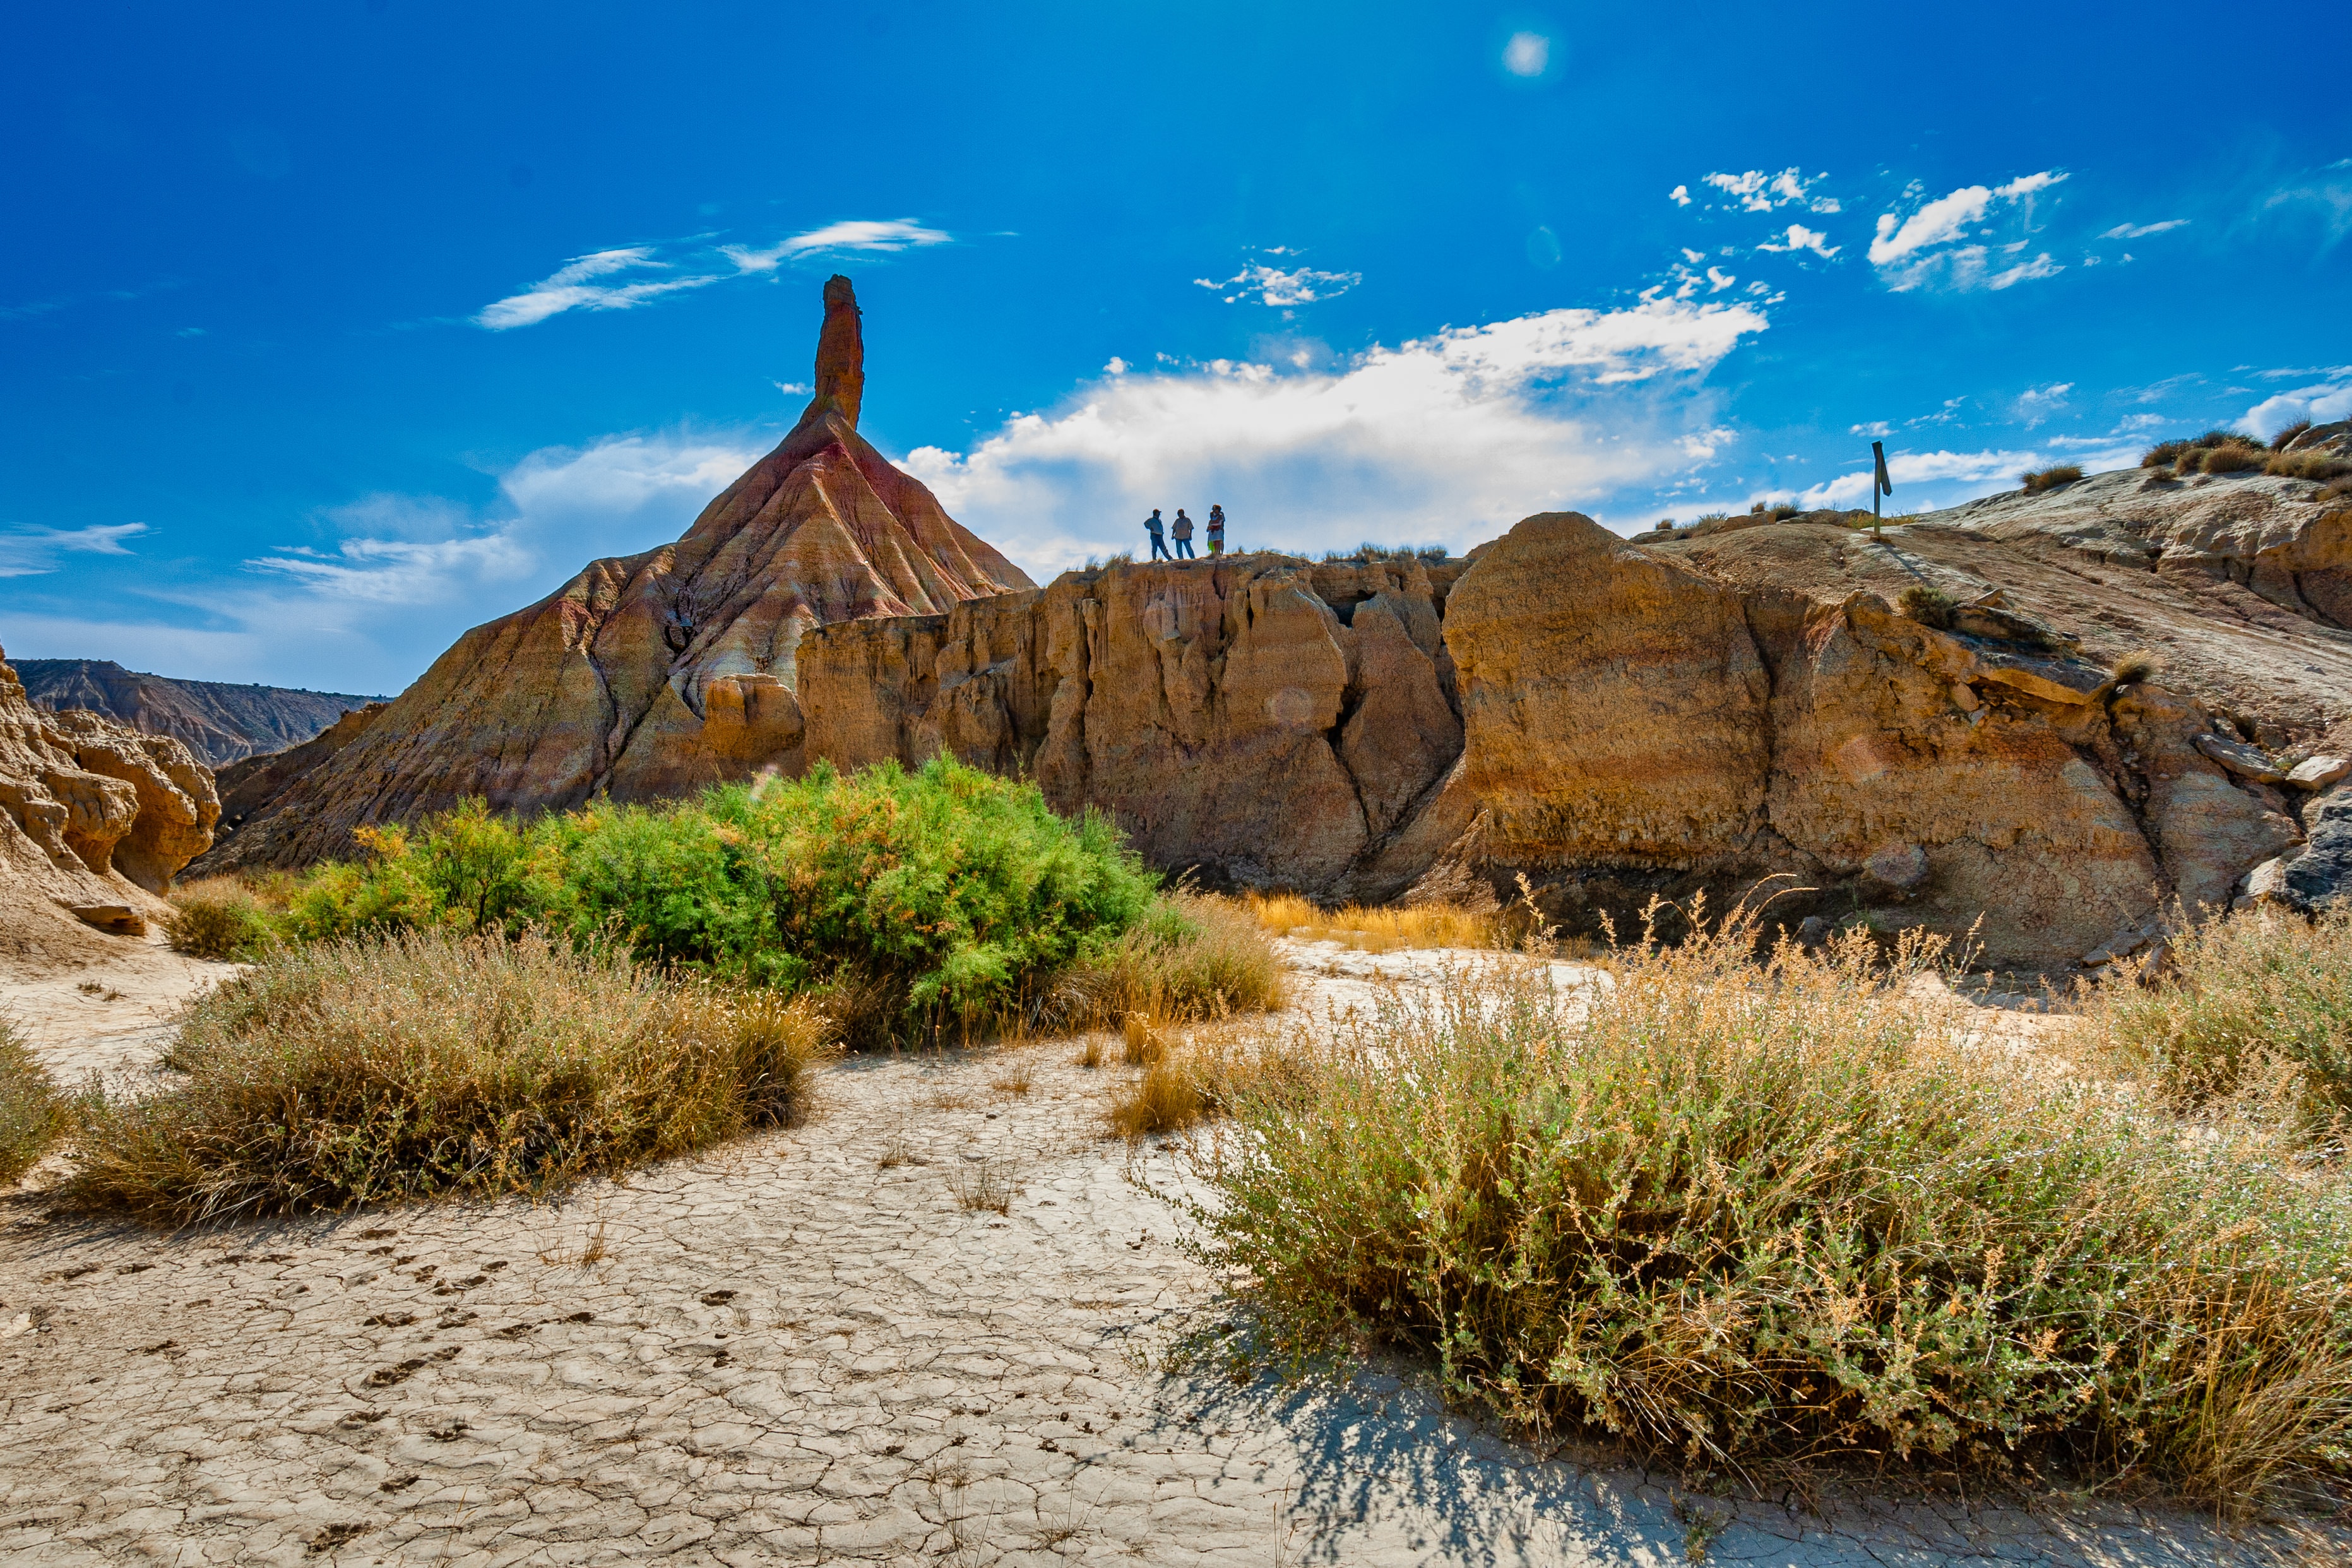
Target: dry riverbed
933, 1325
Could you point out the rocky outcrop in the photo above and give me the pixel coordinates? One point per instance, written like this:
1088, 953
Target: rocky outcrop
652, 675
1618, 721
94, 817
218, 722
1269, 720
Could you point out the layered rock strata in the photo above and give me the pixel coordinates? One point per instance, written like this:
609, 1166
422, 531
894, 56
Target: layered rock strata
94, 817
652, 675
218, 722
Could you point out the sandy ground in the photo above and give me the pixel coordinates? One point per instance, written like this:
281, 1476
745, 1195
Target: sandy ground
806, 1349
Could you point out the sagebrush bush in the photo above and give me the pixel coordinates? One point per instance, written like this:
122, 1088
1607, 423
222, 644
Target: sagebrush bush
1788, 1210
1192, 957
2037, 480
430, 1063
2240, 996
211, 921
31, 1109
940, 898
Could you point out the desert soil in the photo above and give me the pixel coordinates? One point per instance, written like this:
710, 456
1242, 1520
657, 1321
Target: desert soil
806, 1348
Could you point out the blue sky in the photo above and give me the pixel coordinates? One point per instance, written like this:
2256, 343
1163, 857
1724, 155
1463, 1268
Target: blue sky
327, 330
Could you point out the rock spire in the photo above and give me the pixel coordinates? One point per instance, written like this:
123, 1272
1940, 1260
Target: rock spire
840, 352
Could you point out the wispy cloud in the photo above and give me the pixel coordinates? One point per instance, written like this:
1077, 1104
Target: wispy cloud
571, 287
1958, 473
871, 235
1922, 249
578, 284
1273, 286
2142, 230
1444, 437
1757, 192
1800, 237
30, 551
2038, 403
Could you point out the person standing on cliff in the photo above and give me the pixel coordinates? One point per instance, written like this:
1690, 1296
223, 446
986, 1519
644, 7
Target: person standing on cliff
1158, 540
1216, 531
1184, 535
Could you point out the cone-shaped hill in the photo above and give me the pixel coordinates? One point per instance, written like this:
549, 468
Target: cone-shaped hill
652, 675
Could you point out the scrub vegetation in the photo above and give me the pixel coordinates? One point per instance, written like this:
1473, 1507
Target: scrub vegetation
1739, 1211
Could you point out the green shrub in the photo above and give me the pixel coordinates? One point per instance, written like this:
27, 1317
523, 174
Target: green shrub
954, 894
2036, 481
2239, 997
31, 1109
1789, 1210
229, 927
429, 1063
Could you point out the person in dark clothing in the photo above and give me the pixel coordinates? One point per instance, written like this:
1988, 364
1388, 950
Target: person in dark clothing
1183, 535
1216, 532
1158, 540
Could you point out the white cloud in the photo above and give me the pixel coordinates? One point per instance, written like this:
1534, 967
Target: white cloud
1757, 192
1878, 428
1299, 285
574, 286
1922, 249
31, 551
1721, 279
2322, 402
870, 235
569, 288
1526, 54
2140, 230
2036, 404
1448, 437
1926, 480
1800, 237
1680, 195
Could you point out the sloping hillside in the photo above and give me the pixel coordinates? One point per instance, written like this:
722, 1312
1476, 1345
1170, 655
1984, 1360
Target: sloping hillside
219, 722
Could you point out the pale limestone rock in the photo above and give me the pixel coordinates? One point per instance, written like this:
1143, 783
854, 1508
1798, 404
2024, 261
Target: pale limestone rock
2319, 772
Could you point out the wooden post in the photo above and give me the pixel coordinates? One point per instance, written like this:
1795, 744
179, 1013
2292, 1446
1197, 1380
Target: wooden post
1879, 482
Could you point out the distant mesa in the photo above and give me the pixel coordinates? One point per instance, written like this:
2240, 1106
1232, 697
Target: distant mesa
219, 722
649, 676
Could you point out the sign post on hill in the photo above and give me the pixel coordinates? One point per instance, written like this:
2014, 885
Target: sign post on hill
1879, 483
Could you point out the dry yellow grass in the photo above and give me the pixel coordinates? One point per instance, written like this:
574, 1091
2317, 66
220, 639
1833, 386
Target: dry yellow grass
1385, 929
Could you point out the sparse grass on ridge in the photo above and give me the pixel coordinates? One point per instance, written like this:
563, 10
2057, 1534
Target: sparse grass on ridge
427, 1063
2037, 480
31, 1108
1746, 1213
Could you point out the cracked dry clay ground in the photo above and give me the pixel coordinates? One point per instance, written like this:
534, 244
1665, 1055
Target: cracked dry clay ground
807, 1348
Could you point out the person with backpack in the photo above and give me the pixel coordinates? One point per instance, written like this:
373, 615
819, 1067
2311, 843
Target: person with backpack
1216, 531
1184, 535
1158, 540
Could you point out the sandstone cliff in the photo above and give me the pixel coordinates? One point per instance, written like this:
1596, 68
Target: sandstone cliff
217, 722
651, 675
1616, 720
94, 818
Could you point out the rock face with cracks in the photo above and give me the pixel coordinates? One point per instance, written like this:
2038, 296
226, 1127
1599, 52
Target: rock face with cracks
649, 676
94, 817
1617, 721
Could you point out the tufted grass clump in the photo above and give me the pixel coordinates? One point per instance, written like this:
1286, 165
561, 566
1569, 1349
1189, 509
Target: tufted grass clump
1195, 956
2215, 452
430, 1064
1385, 928
2037, 480
220, 919
1738, 1212
31, 1108
2241, 1003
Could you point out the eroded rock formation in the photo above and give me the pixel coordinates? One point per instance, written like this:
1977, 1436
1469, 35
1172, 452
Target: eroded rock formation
94, 817
217, 722
1618, 719
651, 675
